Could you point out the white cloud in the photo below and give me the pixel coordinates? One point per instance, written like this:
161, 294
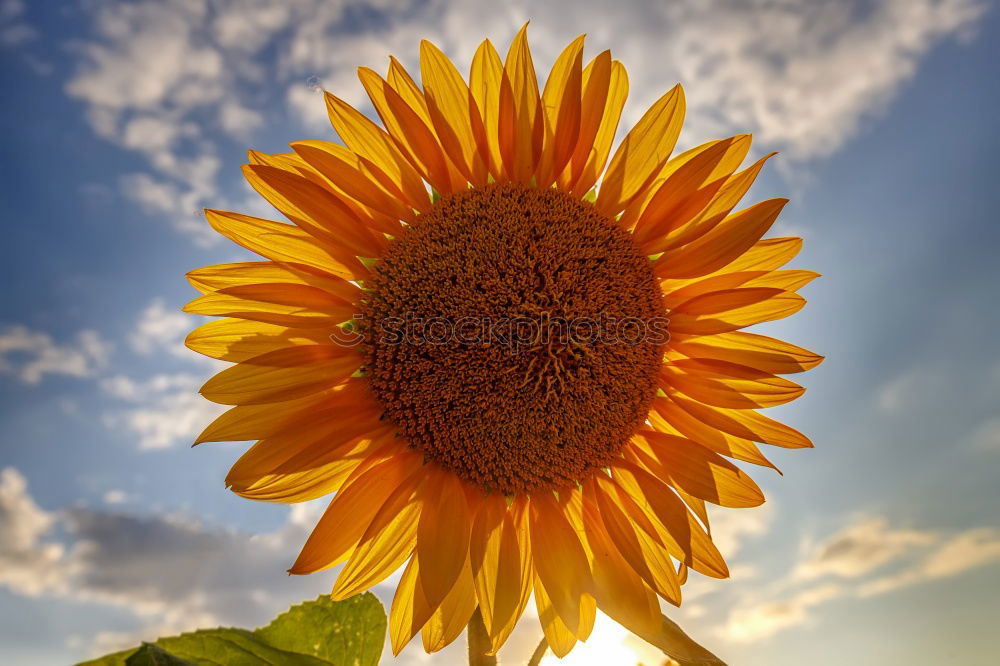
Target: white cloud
162, 329
861, 548
15, 31
115, 496
171, 572
963, 552
801, 74
30, 355
760, 621
986, 436
168, 408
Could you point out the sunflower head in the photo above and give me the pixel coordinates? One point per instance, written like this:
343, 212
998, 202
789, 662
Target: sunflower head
514, 358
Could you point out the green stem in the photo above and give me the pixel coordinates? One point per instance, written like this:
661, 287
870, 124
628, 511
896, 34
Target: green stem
536, 656
479, 642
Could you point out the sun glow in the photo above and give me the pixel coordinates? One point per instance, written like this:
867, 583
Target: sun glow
606, 645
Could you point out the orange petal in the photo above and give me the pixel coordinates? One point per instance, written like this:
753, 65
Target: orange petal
756, 351
696, 470
454, 112
360, 180
722, 245
238, 340
560, 639
372, 143
284, 374
560, 561
745, 423
521, 125
387, 542
685, 195
289, 305
286, 243
314, 209
680, 532
561, 101
733, 309
443, 533
724, 384
642, 152
352, 510
450, 618
485, 76
605, 88
635, 537
409, 611
680, 422
214, 278
516, 563
248, 422
619, 591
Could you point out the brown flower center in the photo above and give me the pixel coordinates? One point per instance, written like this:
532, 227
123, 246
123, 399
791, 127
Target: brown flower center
513, 334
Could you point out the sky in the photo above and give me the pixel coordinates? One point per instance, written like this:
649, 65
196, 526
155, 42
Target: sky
122, 120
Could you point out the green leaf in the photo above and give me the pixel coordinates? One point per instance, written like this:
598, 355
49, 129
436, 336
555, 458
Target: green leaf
345, 633
315, 633
679, 646
151, 655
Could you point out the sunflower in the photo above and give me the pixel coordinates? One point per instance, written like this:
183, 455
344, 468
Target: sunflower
513, 380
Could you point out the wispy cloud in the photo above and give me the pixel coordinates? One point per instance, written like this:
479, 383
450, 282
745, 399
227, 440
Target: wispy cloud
852, 555
31, 355
174, 81
173, 573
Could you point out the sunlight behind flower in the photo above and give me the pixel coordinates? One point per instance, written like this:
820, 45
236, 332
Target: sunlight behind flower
606, 645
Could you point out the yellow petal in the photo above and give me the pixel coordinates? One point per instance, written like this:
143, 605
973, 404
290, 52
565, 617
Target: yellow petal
560, 639
667, 417
454, 112
284, 374
358, 179
561, 102
290, 305
722, 245
605, 88
518, 568
724, 384
250, 422
685, 195
745, 423
619, 591
286, 243
387, 542
352, 510
214, 278
732, 309
677, 292
411, 132
443, 533
696, 470
521, 125
238, 340
635, 537
757, 351
642, 152
324, 472
560, 561
485, 76
314, 209
371, 142
680, 532
450, 618
409, 611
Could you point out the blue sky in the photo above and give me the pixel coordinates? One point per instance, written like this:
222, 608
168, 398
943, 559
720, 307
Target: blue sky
122, 120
